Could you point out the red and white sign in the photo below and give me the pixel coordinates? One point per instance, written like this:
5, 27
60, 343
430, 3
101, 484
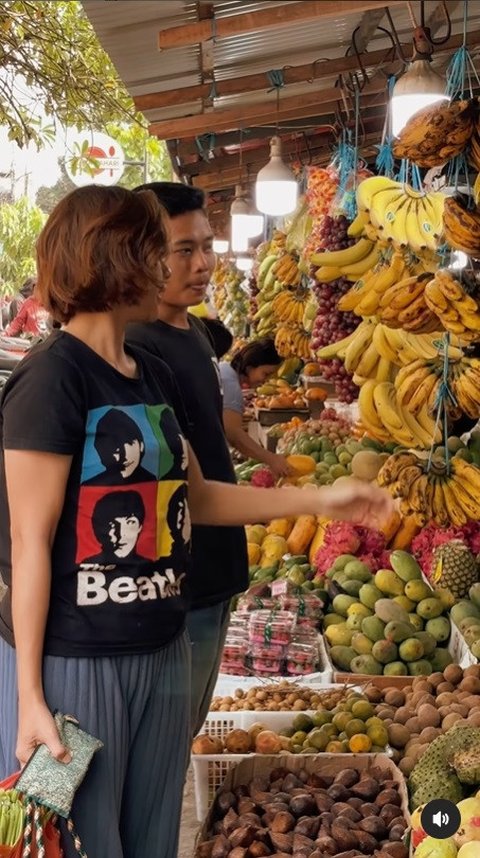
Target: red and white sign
105, 150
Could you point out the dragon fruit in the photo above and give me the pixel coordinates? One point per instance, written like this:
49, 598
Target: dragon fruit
263, 479
432, 536
344, 538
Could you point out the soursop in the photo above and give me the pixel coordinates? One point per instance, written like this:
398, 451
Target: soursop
433, 777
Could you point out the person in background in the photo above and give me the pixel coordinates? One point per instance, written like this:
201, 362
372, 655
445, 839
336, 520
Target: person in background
250, 367
221, 337
31, 317
25, 291
219, 555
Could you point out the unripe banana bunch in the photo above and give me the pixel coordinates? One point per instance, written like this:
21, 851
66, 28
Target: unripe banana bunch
458, 309
437, 132
447, 497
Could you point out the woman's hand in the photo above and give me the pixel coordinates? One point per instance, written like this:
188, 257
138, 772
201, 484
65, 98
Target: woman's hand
36, 726
279, 466
353, 500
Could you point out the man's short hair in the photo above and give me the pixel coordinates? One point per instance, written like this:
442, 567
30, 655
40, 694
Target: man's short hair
177, 199
115, 505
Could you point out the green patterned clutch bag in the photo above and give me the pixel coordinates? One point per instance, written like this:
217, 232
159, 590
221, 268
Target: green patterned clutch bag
54, 784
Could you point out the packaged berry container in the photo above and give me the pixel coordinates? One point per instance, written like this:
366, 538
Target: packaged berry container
301, 659
234, 652
267, 666
248, 603
271, 627
304, 606
267, 650
234, 669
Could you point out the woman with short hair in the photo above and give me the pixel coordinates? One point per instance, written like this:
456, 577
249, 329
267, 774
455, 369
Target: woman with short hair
92, 633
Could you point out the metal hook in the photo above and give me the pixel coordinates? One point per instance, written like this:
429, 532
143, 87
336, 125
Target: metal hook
393, 33
314, 64
448, 21
358, 56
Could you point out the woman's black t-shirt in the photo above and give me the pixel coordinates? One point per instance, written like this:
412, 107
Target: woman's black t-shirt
121, 552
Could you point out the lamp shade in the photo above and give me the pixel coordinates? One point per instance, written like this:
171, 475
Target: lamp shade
417, 88
276, 189
245, 224
244, 263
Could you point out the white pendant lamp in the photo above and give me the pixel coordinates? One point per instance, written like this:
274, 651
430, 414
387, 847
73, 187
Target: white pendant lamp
417, 88
276, 189
244, 263
220, 245
245, 224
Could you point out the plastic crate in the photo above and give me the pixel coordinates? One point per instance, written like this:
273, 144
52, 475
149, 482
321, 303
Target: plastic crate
227, 683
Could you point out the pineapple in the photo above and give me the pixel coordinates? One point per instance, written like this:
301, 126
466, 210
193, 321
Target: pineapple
454, 568
467, 766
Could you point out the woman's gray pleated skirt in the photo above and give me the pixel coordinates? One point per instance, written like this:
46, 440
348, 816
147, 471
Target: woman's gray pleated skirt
129, 804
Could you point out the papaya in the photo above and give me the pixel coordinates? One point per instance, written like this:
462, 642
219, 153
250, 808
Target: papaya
254, 553
302, 464
302, 534
281, 526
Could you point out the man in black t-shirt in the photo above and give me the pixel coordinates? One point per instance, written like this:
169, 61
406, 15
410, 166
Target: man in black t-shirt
219, 555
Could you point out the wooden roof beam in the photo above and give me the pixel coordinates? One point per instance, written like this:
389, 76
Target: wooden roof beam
284, 15
313, 103
291, 74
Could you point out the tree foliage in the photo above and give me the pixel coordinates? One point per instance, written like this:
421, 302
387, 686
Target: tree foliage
20, 224
52, 62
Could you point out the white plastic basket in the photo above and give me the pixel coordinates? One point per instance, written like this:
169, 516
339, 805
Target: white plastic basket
227, 683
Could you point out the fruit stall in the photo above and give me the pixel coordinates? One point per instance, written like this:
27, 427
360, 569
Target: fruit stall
348, 695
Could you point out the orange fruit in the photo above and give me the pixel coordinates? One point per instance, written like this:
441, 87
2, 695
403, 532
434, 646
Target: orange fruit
360, 744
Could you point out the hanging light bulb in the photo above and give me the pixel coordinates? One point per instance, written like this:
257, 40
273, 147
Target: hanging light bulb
244, 263
220, 245
417, 88
276, 190
245, 224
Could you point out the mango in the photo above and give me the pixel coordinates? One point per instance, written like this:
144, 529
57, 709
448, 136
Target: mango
361, 644
385, 651
422, 667
338, 635
404, 603
354, 622
342, 603
256, 533
357, 571
395, 668
439, 628
366, 664
332, 619
440, 659
474, 594
428, 642
471, 635
369, 594
342, 656
463, 609
475, 648
342, 561
398, 632
388, 611
417, 590
405, 566
411, 649
373, 628
389, 583
352, 588
359, 610
467, 623
416, 622
428, 609
446, 597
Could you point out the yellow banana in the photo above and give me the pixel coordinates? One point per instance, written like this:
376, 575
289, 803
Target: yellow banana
342, 258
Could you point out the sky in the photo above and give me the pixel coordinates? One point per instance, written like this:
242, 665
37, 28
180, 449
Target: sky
32, 169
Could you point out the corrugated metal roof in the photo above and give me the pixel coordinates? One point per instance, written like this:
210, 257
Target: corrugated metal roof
128, 31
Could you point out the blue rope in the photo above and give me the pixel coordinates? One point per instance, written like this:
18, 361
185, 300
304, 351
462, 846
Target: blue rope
209, 140
385, 162
457, 73
276, 79
213, 91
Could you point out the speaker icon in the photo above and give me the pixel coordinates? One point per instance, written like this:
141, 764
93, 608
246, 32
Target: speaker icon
440, 818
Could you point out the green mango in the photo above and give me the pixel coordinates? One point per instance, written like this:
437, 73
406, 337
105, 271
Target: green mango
405, 566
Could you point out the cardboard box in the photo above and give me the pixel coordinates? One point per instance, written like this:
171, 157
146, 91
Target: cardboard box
327, 764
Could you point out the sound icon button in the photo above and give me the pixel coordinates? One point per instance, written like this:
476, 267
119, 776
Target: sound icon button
440, 818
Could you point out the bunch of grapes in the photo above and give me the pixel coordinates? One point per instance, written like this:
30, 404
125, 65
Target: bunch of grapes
333, 233
334, 371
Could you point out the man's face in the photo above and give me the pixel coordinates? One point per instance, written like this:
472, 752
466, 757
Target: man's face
128, 457
123, 533
191, 260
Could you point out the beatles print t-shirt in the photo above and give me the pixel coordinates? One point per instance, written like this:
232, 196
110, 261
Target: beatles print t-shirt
121, 552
